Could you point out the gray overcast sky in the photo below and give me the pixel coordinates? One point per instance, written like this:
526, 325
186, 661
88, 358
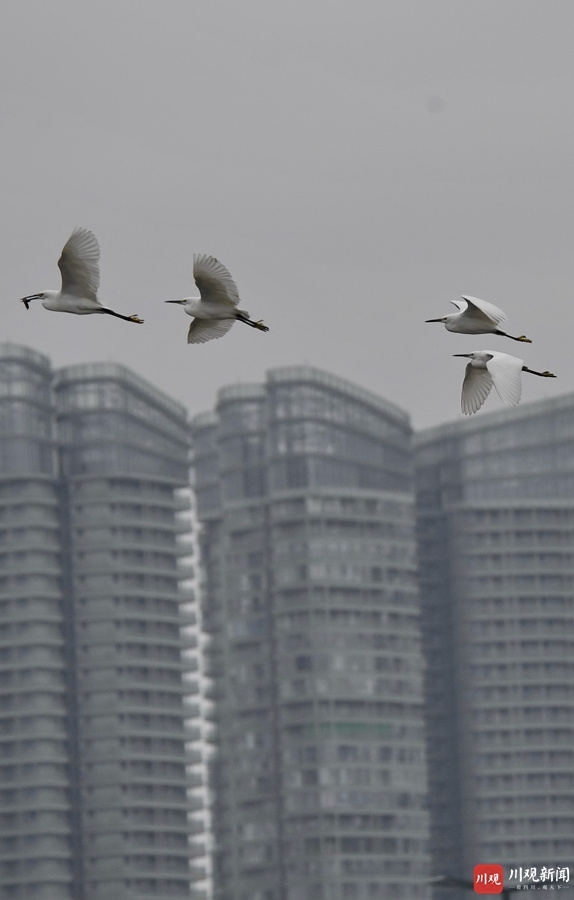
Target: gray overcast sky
355, 165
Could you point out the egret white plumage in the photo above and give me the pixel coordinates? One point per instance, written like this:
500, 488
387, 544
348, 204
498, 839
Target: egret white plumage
476, 316
488, 367
79, 265
215, 310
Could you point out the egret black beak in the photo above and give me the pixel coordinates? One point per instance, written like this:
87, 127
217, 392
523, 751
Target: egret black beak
466, 355
173, 301
434, 320
26, 300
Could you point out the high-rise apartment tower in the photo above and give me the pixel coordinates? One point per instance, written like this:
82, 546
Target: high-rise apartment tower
94, 636
304, 491
496, 536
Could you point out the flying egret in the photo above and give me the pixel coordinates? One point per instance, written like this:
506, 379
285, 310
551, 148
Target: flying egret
476, 316
79, 265
488, 367
215, 311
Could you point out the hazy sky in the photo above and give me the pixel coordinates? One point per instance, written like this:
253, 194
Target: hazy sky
355, 165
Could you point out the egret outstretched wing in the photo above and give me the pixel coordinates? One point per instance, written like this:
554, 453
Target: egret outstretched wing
79, 265
481, 309
214, 281
202, 330
475, 389
506, 371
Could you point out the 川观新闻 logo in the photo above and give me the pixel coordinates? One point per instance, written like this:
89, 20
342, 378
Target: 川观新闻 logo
488, 879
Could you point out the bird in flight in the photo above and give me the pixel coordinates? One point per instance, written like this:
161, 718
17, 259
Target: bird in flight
79, 265
476, 316
215, 310
487, 368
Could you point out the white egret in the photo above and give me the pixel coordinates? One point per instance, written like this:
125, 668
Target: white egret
215, 311
476, 316
79, 264
488, 367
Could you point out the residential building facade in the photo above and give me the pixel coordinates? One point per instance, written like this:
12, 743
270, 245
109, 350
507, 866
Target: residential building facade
38, 855
98, 644
304, 492
495, 501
